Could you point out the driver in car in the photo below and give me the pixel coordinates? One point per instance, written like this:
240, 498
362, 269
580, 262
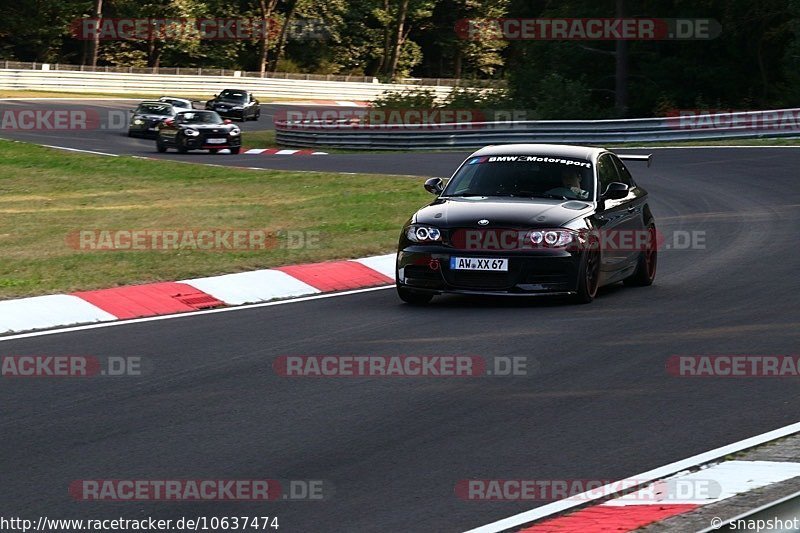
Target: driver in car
571, 184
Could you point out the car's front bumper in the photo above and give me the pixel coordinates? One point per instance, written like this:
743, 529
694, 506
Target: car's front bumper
201, 142
530, 272
148, 129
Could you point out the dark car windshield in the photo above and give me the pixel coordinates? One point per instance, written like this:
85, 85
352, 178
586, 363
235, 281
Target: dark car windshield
198, 117
523, 176
177, 103
154, 109
233, 96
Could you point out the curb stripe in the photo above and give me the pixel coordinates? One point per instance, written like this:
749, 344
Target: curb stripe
599, 518
150, 299
337, 275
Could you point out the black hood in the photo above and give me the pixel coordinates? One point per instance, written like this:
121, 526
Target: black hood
501, 212
208, 127
151, 117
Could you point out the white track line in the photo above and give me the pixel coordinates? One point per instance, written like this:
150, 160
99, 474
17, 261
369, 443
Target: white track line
639, 479
190, 313
77, 150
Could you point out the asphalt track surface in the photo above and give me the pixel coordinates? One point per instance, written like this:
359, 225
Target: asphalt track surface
109, 135
599, 404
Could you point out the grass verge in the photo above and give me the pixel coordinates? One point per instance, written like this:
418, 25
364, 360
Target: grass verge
45, 195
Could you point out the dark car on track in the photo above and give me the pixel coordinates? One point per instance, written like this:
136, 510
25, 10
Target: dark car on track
147, 116
198, 130
235, 103
530, 220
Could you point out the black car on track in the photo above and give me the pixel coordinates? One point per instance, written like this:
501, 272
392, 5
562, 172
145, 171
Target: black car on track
235, 103
147, 116
530, 220
198, 130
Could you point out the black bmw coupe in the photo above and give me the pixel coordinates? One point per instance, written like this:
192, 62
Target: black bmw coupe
530, 220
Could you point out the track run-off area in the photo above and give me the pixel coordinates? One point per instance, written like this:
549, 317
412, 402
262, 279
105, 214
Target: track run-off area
596, 404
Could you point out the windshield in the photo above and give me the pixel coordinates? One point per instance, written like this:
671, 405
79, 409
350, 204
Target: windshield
154, 109
523, 176
177, 103
233, 96
198, 117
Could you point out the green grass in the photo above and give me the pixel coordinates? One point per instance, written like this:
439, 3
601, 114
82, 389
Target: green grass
259, 139
47, 194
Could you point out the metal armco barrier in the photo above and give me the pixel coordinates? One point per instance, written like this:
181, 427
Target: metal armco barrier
350, 135
123, 83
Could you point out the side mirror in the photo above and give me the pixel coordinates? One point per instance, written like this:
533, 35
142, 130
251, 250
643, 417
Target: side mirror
227, 121
615, 191
434, 185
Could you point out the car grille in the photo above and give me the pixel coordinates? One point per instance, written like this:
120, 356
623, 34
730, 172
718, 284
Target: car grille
480, 280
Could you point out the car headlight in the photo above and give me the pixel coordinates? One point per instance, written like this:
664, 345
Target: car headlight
191, 133
138, 121
235, 132
552, 238
419, 233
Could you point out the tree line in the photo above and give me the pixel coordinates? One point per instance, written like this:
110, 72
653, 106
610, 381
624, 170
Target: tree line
754, 61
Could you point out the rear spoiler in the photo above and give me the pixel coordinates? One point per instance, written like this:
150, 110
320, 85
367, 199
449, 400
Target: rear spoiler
631, 157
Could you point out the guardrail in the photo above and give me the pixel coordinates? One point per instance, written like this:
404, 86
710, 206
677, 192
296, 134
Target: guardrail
351, 134
7, 64
123, 83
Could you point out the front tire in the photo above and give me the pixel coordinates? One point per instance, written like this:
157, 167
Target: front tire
588, 276
414, 298
180, 146
161, 147
645, 272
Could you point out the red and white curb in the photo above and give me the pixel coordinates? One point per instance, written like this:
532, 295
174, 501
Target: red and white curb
622, 514
278, 151
645, 506
166, 298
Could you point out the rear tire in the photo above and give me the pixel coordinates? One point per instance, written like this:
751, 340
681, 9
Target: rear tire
213, 150
645, 272
414, 298
235, 151
588, 276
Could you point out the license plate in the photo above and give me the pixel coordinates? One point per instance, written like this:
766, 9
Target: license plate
216, 141
476, 263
